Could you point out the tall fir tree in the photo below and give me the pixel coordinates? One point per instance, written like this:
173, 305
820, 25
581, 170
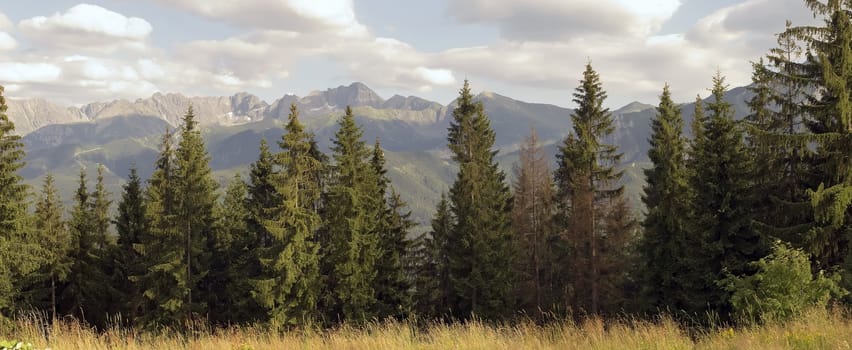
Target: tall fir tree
352, 245
393, 285
481, 249
431, 266
233, 261
195, 199
722, 221
826, 76
87, 289
131, 225
164, 283
18, 252
262, 196
45, 284
290, 291
532, 219
588, 193
777, 130
666, 197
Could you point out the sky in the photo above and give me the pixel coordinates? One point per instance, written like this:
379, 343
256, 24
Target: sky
73, 52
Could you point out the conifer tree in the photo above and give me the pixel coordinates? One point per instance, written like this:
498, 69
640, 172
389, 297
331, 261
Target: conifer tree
164, 282
262, 197
431, 265
722, 222
587, 189
132, 226
393, 285
47, 282
532, 219
233, 260
481, 249
84, 295
195, 200
18, 254
825, 75
291, 288
352, 247
666, 198
776, 129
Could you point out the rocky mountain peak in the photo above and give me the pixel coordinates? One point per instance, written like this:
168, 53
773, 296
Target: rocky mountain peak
355, 95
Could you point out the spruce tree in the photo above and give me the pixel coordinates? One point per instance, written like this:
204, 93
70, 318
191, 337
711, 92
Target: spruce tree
164, 282
588, 191
195, 199
132, 227
352, 245
233, 260
393, 284
47, 282
87, 289
825, 75
532, 219
722, 222
18, 252
291, 287
431, 266
262, 197
666, 199
776, 128
481, 249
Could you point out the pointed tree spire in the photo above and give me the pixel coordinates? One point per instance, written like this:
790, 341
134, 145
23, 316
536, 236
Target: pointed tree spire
666, 198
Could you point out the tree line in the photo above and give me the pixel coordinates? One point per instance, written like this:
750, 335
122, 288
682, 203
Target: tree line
313, 239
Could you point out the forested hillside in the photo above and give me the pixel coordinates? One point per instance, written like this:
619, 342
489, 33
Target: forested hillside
305, 215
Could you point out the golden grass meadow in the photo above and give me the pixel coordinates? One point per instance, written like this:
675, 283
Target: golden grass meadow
816, 330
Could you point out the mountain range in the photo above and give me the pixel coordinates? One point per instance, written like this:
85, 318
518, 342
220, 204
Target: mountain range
61, 140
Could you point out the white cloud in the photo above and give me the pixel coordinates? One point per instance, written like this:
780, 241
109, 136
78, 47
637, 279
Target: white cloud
545, 44
7, 42
91, 19
20, 72
548, 20
436, 76
87, 27
293, 15
5, 22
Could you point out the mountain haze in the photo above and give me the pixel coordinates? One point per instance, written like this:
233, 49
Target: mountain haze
412, 130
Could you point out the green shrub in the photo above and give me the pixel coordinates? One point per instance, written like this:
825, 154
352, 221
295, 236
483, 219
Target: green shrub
782, 288
15, 345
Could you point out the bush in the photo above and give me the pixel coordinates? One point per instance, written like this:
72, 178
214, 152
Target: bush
783, 287
15, 345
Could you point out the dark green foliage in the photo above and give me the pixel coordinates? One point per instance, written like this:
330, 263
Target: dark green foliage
431, 266
164, 282
45, 284
722, 235
18, 255
290, 287
233, 260
196, 198
88, 287
393, 285
596, 230
782, 288
666, 198
827, 107
132, 227
480, 245
351, 249
262, 196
